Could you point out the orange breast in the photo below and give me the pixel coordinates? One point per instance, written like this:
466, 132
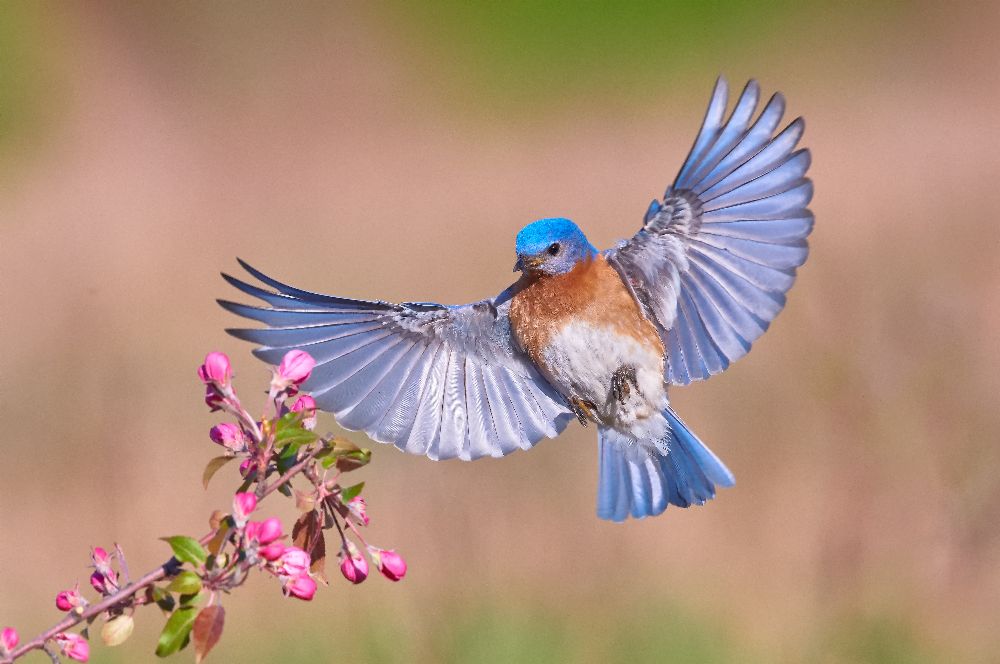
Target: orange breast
591, 292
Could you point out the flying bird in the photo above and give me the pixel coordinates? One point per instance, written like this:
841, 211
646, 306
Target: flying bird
596, 336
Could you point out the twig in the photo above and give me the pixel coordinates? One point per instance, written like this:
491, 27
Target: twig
167, 569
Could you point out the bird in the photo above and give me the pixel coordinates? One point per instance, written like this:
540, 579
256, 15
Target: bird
583, 334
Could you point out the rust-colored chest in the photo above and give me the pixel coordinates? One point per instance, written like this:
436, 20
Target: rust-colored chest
592, 292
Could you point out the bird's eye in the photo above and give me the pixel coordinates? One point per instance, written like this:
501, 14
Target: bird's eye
554, 249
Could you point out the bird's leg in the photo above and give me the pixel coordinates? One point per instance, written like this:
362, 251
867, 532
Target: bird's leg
583, 409
622, 382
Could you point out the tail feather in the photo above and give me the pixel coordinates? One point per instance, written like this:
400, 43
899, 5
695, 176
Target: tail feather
636, 484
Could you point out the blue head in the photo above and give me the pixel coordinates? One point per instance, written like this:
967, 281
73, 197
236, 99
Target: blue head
551, 246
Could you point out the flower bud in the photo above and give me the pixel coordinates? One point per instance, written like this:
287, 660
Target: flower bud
243, 505
306, 405
359, 509
353, 565
230, 436
272, 551
390, 563
101, 558
294, 562
248, 468
265, 531
73, 646
294, 370
302, 587
9, 639
68, 600
216, 369
105, 583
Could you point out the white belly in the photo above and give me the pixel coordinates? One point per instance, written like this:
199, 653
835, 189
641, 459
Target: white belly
580, 361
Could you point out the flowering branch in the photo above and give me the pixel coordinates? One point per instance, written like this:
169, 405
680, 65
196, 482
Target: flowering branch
201, 571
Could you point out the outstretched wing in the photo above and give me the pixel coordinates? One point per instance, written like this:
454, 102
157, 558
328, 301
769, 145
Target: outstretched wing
445, 381
713, 261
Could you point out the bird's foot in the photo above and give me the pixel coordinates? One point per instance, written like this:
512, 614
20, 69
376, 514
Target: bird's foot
583, 409
622, 382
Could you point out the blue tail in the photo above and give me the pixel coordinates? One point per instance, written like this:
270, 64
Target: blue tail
640, 485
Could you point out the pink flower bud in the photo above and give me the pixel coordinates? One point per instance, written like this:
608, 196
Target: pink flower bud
296, 366
359, 508
248, 467
213, 399
243, 506
353, 565
272, 551
301, 586
9, 638
306, 405
216, 369
105, 583
390, 563
68, 600
73, 646
230, 436
294, 562
294, 370
264, 532
101, 558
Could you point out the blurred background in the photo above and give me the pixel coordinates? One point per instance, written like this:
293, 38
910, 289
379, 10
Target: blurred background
392, 150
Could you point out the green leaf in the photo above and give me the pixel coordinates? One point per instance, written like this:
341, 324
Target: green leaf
213, 467
163, 599
289, 433
350, 492
186, 549
189, 600
207, 630
352, 460
185, 583
294, 439
175, 633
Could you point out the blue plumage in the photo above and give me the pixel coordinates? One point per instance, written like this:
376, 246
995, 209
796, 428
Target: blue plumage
709, 270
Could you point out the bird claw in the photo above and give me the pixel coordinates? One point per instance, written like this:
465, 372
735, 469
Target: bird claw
584, 410
622, 382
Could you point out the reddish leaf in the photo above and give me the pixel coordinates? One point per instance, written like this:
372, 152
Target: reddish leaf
207, 630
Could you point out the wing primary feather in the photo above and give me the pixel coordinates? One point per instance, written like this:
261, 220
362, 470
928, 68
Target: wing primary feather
709, 130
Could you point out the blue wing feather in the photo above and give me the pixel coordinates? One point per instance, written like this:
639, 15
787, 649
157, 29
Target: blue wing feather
712, 265
442, 381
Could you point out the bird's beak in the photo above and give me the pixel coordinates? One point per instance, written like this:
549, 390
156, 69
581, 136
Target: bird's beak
527, 263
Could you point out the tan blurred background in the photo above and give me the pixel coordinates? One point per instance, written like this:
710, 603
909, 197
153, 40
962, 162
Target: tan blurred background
393, 150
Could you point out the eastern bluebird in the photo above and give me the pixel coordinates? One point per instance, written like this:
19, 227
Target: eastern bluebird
586, 334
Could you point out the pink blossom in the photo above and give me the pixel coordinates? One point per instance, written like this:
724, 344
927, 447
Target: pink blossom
294, 370
73, 646
306, 405
243, 506
248, 467
105, 583
272, 551
101, 558
359, 508
230, 436
390, 563
213, 399
294, 562
264, 532
9, 638
216, 369
302, 587
68, 600
353, 565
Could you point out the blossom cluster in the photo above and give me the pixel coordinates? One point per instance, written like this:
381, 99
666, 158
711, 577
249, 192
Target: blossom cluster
273, 449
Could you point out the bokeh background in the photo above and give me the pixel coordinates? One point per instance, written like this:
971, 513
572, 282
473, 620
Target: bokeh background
392, 150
